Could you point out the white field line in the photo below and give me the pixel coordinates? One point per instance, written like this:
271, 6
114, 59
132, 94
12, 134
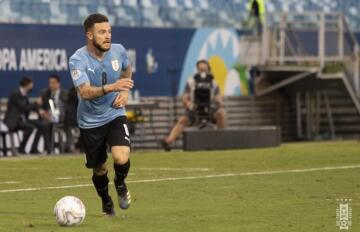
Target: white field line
80, 177
194, 177
178, 169
73, 177
10, 182
132, 174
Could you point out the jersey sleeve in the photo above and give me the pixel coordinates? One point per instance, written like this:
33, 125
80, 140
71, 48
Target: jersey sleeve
78, 71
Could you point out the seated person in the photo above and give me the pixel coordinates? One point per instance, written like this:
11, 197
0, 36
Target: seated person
57, 96
70, 121
17, 115
196, 110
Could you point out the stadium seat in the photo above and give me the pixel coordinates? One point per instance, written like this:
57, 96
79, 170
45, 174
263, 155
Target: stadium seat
194, 13
7, 140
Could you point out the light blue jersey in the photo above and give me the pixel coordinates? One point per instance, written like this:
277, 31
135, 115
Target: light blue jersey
86, 68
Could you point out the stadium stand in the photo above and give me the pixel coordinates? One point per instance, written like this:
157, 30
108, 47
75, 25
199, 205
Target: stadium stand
163, 13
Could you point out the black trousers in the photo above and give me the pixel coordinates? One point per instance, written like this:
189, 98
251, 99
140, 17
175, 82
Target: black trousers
43, 129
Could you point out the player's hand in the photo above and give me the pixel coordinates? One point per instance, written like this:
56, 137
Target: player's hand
122, 84
121, 99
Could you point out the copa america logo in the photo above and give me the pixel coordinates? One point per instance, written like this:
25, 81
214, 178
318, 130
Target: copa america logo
344, 214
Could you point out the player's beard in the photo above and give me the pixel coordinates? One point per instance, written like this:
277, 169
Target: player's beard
99, 47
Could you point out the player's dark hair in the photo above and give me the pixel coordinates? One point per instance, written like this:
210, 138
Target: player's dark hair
203, 61
94, 18
25, 80
54, 76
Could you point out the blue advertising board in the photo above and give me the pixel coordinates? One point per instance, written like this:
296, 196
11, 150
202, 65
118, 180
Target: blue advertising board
163, 59
40, 50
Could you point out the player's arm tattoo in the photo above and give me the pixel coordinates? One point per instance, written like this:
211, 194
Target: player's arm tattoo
88, 92
127, 72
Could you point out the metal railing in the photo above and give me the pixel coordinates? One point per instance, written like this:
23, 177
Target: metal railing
312, 39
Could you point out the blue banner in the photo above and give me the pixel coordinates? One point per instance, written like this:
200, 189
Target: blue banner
163, 59
40, 50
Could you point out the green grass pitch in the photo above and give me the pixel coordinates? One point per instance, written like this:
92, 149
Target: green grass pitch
294, 187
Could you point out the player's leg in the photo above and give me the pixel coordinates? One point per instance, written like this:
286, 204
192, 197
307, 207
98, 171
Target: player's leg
183, 122
94, 144
101, 183
120, 155
220, 116
119, 141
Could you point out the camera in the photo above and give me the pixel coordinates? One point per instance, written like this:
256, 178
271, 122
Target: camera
202, 95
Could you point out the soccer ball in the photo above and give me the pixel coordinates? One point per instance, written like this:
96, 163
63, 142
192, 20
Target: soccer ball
69, 211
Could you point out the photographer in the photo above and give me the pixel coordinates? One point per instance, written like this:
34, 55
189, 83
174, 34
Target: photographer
202, 101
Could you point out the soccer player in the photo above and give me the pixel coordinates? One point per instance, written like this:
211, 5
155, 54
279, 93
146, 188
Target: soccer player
101, 72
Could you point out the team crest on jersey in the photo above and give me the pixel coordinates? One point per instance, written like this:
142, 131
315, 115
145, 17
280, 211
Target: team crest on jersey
115, 65
75, 74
